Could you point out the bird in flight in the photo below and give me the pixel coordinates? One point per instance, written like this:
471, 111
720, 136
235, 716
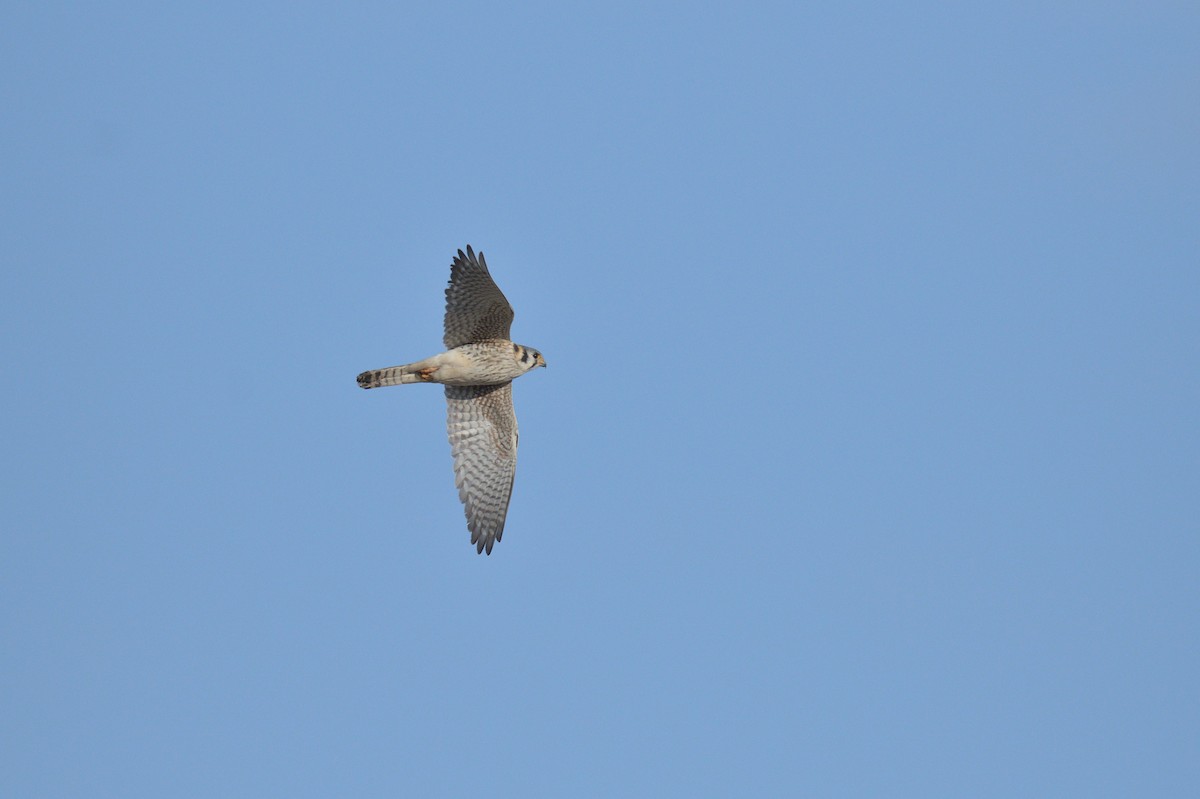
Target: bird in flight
477, 369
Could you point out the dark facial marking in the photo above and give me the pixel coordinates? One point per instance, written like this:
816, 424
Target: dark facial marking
524, 356
516, 348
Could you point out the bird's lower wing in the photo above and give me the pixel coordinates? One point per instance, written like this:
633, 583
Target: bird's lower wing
483, 438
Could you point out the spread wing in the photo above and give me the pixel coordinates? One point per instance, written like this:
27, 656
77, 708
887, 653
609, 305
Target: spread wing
483, 438
476, 309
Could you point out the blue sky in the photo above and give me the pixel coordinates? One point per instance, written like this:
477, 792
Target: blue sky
865, 463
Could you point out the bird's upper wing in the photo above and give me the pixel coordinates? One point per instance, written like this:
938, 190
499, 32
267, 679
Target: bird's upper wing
476, 309
483, 438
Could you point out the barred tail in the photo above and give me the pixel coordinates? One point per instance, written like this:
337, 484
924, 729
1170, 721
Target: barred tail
392, 376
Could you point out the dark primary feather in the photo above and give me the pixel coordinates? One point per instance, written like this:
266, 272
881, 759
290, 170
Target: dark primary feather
476, 309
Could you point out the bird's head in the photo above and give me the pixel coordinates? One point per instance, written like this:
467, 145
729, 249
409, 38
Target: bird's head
528, 357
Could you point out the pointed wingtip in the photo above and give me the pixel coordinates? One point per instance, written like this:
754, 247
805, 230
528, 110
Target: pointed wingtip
484, 543
470, 257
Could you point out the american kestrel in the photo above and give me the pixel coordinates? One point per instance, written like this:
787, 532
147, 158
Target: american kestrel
477, 369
